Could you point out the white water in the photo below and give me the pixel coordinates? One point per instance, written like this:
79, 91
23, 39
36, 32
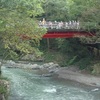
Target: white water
26, 85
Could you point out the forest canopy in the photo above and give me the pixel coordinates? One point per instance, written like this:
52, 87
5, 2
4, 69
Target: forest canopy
17, 20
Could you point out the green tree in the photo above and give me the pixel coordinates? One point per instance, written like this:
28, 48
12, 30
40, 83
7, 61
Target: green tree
88, 13
56, 10
19, 30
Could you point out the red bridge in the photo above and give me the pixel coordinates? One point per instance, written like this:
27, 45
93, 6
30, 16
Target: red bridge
66, 33
63, 29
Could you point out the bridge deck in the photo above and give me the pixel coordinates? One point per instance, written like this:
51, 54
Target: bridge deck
66, 33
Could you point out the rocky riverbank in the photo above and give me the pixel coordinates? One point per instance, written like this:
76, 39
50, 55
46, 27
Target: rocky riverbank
46, 69
68, 73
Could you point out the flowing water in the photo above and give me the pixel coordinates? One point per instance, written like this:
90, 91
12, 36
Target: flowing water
28, 85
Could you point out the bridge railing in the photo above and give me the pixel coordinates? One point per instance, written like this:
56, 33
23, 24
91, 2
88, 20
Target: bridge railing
60, 25
67, 25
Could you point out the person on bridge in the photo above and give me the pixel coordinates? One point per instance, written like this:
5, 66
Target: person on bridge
78, 25
44, 23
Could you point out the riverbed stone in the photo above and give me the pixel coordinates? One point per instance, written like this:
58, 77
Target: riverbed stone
35, 66
10, 62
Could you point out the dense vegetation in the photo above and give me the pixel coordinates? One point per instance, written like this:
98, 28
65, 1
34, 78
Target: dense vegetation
77, 51
17, 24
20, 34
19, 31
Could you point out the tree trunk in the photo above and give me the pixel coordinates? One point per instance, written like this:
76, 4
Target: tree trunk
0, 67
48, 44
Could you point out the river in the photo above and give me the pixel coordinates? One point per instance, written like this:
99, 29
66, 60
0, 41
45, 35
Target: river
28, 85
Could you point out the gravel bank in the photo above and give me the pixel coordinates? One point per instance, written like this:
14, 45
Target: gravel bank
76, 75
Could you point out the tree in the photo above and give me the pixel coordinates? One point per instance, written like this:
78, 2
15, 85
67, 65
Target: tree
88, 13
15, 20
56, 10
19, 30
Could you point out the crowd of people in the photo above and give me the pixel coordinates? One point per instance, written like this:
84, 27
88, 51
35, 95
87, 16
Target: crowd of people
59, 25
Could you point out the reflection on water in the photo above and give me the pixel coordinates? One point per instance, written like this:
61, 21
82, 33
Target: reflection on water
27, 85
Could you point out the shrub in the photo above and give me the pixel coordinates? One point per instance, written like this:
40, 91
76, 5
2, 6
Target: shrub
96, 68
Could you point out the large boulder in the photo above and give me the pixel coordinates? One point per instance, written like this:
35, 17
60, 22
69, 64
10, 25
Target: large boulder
51, 67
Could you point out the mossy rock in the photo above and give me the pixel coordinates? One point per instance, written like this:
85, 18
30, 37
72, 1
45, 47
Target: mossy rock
4, 89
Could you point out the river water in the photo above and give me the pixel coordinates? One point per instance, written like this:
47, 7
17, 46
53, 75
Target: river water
28, 85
